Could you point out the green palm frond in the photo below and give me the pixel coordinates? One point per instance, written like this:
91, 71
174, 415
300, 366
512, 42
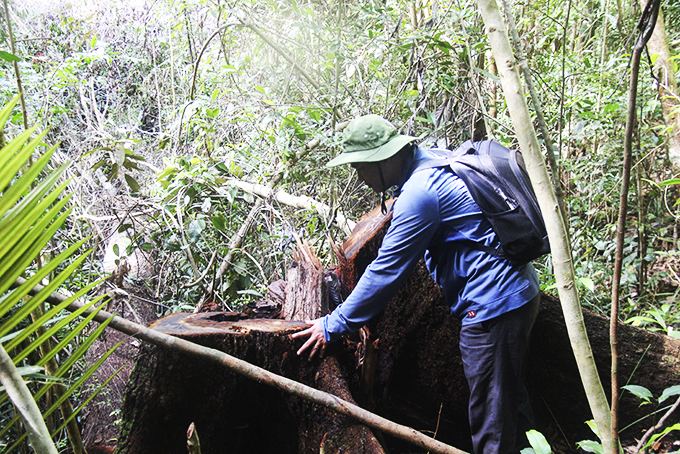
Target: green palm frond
32, 210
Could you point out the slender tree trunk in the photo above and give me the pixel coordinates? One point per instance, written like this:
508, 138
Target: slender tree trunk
549, 146
648, 18
561, 251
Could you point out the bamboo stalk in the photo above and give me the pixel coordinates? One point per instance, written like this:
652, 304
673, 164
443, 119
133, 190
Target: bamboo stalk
258, 374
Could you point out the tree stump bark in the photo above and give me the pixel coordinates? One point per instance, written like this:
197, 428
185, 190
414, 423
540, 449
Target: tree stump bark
306, 295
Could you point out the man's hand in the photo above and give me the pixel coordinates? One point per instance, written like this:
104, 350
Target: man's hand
316, 340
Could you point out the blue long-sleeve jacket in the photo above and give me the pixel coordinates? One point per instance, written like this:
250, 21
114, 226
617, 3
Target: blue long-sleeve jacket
436, 217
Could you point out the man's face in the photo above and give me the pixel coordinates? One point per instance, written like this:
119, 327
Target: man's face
368, 173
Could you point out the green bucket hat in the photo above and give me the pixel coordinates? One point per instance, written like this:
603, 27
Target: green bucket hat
369, 138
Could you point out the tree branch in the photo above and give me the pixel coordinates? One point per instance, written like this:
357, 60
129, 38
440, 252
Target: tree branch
258, 374
237, 240
304, 202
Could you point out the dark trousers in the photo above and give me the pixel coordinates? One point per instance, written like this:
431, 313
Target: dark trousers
494, 358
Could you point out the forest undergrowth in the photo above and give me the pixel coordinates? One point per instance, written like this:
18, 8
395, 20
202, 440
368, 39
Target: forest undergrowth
177, 116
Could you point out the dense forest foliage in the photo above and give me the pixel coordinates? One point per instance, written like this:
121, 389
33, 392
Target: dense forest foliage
196, 133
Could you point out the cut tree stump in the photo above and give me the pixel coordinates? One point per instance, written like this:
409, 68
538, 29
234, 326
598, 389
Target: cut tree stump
168, 391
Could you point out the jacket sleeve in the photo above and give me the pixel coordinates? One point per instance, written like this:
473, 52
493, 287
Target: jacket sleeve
414, 223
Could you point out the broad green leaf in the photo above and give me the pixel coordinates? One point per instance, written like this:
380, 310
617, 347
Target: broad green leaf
219, 222
591, 446
132, 183
538, 442
587, 283
9, 57
119, 154
591, 423
669, 392
147, 246
489, 75
639, 391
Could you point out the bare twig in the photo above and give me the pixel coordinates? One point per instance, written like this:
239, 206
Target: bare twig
658, 426
205, 272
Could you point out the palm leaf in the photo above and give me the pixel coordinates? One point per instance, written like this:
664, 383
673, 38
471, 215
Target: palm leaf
32, 210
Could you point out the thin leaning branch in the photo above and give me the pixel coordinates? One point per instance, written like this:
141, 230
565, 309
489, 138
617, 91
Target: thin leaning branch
656, 428
538, 107
258, 374
646, 27
304, 202
200, 55
16, 65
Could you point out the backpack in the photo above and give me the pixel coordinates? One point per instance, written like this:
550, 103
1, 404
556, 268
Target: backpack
498, 182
